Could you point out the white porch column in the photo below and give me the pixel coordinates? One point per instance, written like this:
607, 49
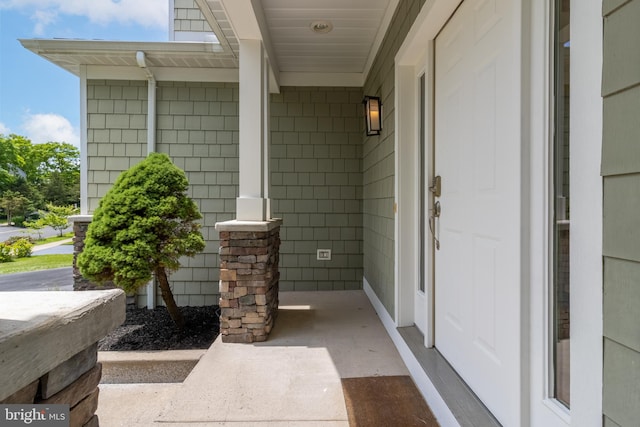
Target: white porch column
84, 162
252, 205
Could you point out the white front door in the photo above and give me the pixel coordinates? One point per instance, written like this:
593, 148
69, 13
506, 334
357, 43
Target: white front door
478, 156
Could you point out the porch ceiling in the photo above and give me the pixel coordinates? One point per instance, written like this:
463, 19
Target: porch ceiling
295, 50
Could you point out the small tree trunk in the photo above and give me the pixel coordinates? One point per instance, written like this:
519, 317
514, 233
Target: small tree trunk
167, 296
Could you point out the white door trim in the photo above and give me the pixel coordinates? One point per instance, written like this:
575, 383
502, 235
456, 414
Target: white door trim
586, 242
410, 60
545, 410
406, 245
586, 213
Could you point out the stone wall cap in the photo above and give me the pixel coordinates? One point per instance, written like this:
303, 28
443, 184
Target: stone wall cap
80, 218
236, 225
40, 330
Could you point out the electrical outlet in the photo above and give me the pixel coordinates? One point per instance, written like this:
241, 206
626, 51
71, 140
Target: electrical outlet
324, 255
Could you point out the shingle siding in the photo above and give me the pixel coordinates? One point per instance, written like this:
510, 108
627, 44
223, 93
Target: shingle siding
379, 162
116, 132
208, 153
187, 17
621, 172
316, 185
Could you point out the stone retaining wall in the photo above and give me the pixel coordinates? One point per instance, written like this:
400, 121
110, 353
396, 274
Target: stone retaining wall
249, 279
74, 382
49, 348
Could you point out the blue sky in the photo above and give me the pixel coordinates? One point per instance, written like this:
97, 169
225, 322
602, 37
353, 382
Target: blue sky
38, 99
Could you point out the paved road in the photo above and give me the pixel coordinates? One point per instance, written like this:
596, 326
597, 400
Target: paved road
7, 231
58, 279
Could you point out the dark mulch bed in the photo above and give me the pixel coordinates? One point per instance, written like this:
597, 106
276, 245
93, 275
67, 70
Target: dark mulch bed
147, 330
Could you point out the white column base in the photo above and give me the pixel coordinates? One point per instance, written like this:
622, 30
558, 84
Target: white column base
251, 209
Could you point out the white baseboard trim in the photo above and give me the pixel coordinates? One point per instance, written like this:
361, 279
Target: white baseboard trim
440, 409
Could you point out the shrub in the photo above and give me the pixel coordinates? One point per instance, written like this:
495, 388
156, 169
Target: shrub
11, 240
18, 221
21, 248
56, 217
142, 227
5, 252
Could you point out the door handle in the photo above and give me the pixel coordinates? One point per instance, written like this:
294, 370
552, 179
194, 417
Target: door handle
435, 214
436, 210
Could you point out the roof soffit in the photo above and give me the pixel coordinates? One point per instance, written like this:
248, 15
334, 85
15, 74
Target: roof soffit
299, 55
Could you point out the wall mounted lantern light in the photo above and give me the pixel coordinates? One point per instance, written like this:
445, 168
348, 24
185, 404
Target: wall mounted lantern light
373, 114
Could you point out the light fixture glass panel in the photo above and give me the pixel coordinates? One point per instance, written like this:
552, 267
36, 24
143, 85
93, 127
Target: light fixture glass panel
373, 114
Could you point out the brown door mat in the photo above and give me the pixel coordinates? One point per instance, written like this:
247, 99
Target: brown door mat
385, 402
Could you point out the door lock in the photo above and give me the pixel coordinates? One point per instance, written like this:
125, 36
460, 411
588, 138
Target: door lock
436, 187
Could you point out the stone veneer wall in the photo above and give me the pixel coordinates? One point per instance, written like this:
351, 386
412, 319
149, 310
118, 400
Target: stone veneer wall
316, 185
378, 162
249, 280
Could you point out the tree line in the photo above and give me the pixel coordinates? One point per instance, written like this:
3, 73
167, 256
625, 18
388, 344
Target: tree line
33, 176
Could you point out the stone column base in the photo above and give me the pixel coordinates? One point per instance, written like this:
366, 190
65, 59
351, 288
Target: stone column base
249, 279
80, 226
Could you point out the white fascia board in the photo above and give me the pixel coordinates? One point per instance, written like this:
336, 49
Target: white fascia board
100, 46
322, 79
171, 19
427, 25
384, 27
266, 42
104, 72
195, 36
248, 23
243, 19
221, 75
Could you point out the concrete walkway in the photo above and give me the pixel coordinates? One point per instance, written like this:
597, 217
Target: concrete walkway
293, 379
43, 249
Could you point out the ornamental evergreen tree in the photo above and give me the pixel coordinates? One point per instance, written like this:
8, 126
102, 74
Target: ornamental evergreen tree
142, 226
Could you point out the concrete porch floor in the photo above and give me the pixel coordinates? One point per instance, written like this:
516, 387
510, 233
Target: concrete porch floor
293, 379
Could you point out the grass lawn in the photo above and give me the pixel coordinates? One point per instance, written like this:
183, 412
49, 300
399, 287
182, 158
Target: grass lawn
36, 262
55, 238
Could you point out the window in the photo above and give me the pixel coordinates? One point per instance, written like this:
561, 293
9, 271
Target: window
561, 206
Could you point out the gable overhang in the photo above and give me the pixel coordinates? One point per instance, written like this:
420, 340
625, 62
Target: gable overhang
116, 60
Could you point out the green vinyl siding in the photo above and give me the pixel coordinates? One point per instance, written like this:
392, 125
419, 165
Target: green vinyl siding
622, 228
116, 132
609, 6
621, 222
621, 392
316, 185
197, 125
379, 162
621, 302
621, 127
